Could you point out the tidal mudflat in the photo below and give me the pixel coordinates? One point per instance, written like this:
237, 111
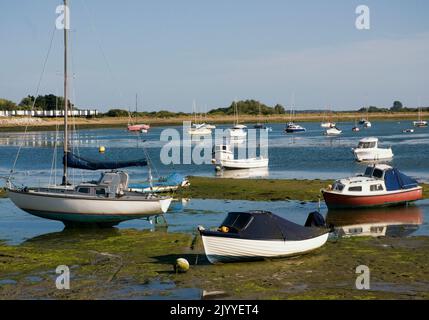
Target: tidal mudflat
133, 264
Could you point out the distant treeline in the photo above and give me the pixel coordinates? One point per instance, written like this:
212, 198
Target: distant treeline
245, 107
46, 102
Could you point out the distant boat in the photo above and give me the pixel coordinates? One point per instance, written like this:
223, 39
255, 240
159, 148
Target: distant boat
420, 123
144, 128
368, 150
333, 131
258, 235
367, 124
294, 128
224, 159
356, 127
362, 121
199, 129
408, 131
329, 123
381, 185
238, 132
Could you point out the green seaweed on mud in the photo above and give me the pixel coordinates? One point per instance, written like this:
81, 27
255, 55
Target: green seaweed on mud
124, 263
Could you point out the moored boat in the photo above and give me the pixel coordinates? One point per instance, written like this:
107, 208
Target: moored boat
258, 235
224, 159
294, 128
333, 131
368, 150
380, 185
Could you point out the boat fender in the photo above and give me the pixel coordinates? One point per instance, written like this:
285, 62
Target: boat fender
315, 219
224, 229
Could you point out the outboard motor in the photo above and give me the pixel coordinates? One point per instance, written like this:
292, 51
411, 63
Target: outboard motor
315, 219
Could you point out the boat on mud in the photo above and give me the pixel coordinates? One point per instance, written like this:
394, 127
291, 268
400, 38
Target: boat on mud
224, 159
380, 185
259, 235
368, 150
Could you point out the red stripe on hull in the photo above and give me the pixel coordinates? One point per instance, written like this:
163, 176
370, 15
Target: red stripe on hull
335, 200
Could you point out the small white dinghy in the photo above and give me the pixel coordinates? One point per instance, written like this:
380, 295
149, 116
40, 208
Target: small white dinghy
368, 150
258, 235
333, 131
224, 159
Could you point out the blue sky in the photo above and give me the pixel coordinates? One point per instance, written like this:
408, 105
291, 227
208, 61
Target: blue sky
172, 52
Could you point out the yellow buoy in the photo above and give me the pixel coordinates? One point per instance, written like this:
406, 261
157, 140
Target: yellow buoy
101, 149
182, 265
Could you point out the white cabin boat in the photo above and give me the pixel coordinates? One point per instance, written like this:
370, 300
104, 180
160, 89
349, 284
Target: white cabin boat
333, 131
368, 150
367, 124
224, 159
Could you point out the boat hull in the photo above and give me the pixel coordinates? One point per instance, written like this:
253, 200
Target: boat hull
244, 164
78, 209
335, 200
225, 249
373, 155
138, 127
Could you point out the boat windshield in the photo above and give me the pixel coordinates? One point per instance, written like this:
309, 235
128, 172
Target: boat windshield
237, 221
368, 171
378, 173
366, 145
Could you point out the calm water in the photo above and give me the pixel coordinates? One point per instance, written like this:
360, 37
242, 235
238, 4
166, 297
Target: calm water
308, 155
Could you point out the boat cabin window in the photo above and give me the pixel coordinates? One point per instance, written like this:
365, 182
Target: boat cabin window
376, 187
355, 189
338, 187
237, 221
356, 230
366, 145
368, 171
100, 192
85, 190
378, 173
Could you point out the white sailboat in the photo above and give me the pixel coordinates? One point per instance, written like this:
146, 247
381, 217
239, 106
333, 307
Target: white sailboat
238, 132
106, 202
199, 129
420, 123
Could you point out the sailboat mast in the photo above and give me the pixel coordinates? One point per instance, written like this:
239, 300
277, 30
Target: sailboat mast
66, 147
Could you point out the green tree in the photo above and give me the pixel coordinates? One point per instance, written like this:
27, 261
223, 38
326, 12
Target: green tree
6, 105
397, 106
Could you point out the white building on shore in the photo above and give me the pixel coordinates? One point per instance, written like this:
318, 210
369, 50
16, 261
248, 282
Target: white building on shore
47, 113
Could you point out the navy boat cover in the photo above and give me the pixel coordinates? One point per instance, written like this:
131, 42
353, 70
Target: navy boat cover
261, 225
76, 162
395, 180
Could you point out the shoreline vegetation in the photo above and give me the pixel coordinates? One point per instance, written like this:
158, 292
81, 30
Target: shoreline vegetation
38, 124
254, 189
260, 189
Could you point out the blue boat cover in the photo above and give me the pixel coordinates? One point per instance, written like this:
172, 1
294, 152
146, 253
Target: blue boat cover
76, 162
396, 180
174, 179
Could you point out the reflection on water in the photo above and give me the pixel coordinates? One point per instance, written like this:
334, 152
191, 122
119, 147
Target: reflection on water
244, 173
391, 222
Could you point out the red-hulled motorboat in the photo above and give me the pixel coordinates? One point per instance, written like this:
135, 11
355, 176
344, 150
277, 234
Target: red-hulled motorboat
381, 185
138, 127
